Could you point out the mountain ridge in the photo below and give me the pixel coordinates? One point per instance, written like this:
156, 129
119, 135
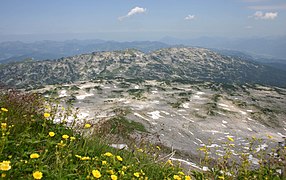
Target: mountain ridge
170, 64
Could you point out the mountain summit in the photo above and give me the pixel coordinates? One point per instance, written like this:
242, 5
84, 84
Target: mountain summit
172, 64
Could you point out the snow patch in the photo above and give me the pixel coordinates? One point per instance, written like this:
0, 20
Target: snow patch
164, 112
199, 140
243, 113
186, 162
63, 93
213, 145
155, 102
227, 109
261, 147
139, 115
119, 146
83, 96
253, 160
223, 105
250, 119
181, 134
280, 134
155, 114
136, 87
186, 105
221, 113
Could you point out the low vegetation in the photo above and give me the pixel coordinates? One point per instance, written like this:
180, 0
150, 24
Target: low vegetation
32, 146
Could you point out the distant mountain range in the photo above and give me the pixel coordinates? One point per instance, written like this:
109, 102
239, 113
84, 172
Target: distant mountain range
272, 62
168, 64
271, 48
271, 52
42, 50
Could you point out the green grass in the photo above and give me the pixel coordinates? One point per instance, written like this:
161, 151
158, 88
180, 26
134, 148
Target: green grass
119, 126
33, 147
26, 132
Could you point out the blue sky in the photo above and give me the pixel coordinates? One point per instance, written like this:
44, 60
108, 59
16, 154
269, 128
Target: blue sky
140, 19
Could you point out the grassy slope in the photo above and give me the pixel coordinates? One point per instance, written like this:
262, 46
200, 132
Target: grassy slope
28, 150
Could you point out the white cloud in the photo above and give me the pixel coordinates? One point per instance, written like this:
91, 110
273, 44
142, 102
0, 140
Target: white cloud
136, 10
190, 17
265, 16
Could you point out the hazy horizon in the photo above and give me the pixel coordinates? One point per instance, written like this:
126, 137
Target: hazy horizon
31, 38
34, 20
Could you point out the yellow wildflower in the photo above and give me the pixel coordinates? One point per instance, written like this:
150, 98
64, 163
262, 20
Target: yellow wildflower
170, 162
119, 158
72, 138
137, 174
34, 156
85, 158
188, 178
113, 177
47, 115
122, 173
87, 126
140, 150
5, 166
108, 154
3, 175
51, 134
124, 168
78, 156
4, 109
203, 149
177, 177
230, 139
221, 177
61, 144
104, 162
181, 173
110, 171
37, 175
3, 125
96, 174
65, 136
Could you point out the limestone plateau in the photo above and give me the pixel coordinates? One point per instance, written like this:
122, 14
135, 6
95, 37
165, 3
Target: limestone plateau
169, 64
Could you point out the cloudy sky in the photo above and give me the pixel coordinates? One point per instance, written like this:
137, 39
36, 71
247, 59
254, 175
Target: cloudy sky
141, 19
